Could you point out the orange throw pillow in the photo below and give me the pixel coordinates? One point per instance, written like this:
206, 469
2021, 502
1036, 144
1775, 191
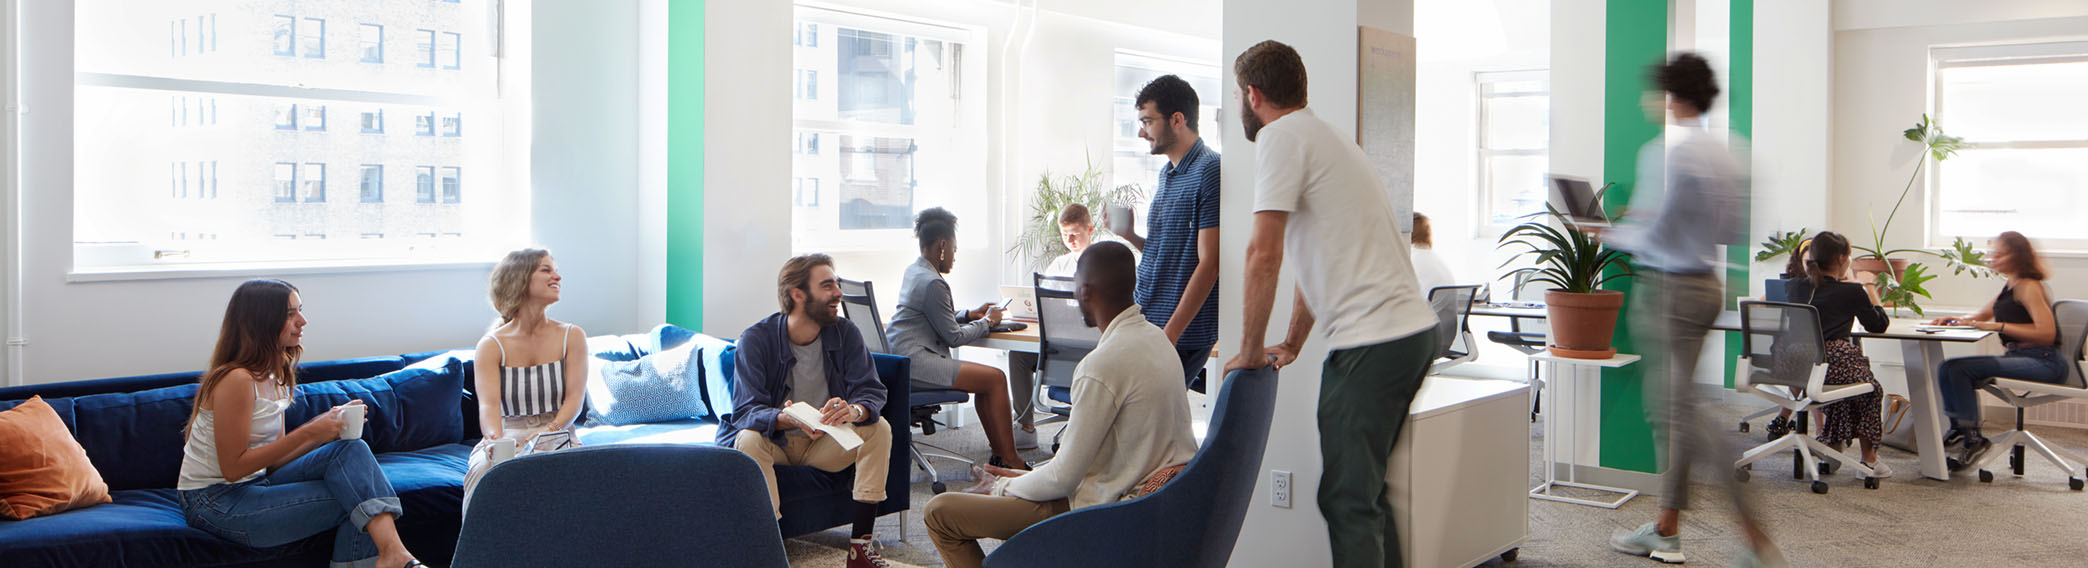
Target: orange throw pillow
42, 469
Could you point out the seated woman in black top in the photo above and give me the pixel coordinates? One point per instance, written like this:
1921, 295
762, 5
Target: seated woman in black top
1842, 303
2023, 316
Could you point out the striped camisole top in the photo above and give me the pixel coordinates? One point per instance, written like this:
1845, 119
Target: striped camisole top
532, 390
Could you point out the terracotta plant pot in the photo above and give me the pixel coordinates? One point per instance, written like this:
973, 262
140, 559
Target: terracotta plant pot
1582, 324
1873, 265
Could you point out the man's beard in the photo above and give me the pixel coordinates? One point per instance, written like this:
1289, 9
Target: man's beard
1162, 140
822, 314
1253, 124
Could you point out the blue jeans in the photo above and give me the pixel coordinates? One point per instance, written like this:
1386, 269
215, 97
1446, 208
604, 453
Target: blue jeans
337, 486
1959, 380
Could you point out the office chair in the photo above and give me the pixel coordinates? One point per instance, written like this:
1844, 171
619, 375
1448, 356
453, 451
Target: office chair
859, 305
2073, 327
1453, 308
1784, 360
1064, 338
1529, 342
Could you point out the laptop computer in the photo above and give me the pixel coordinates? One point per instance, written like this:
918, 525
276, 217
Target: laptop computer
1022, 304
1581, 202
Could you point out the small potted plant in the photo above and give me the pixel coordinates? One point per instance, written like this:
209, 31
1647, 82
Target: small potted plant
1582, 315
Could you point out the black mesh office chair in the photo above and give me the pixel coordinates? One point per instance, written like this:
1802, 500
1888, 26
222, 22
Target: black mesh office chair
859, 305
1528, 341
1453, 308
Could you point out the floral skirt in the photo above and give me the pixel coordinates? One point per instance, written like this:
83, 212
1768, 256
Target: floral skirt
1853, 418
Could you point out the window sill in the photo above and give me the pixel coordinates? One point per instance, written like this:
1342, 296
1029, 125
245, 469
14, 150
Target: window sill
261, 269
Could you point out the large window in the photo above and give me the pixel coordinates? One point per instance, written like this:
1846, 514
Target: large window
1513, 140
899, 105
277, 150
2024, 164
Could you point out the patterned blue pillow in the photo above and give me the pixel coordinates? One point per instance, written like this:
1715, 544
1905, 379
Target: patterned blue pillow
660, 387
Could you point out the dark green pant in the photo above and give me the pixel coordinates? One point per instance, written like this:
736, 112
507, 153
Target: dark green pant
1364, 395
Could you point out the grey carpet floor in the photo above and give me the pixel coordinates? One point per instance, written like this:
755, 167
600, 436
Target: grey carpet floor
1909, 521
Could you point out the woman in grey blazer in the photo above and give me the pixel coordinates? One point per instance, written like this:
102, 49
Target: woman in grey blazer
927, 326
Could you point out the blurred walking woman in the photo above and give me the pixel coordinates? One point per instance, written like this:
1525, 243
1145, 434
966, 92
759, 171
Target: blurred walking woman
247, 480
531, 370
2022, 314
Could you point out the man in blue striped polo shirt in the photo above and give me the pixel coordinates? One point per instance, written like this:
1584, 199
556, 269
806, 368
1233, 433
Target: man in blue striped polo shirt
1178, 274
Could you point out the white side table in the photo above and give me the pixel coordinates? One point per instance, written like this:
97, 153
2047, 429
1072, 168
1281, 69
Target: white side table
1567, 369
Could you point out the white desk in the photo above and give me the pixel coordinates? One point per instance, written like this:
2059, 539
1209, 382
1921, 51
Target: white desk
1568, 369
1458, 473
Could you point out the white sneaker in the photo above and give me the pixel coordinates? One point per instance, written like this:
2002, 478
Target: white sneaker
1879, 470
1025, 439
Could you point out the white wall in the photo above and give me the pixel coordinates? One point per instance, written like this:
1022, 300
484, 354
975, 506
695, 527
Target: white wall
581, 171
746, 162
1794, 87
1881, 86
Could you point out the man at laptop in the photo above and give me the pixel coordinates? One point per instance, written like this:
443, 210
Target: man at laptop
1077, 229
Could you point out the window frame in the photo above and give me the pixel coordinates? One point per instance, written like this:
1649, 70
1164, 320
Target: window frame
1942, 58
363, 43
319, 53
366, 183
1482, 155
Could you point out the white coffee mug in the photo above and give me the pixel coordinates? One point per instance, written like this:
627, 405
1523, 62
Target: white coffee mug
352, 421
503, 448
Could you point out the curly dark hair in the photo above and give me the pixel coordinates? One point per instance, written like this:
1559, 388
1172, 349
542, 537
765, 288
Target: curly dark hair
934, 225
1689, 78
1169, 95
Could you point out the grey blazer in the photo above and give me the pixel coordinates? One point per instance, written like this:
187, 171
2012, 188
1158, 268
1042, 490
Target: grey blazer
927, 318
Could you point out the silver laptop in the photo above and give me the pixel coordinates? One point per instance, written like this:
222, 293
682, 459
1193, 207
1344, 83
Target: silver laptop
1579, 199
1022, 302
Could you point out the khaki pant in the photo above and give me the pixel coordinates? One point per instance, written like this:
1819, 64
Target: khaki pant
872, 460
956, 522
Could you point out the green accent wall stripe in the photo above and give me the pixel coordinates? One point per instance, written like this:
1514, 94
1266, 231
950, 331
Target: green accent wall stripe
1635, 36
1740, 113
685, 163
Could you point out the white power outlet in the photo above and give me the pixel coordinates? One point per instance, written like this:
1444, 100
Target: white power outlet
1279, 488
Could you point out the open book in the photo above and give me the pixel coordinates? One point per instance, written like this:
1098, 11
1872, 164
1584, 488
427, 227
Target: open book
805, 414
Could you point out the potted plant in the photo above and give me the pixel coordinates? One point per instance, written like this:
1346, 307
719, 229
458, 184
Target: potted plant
1582, 315
1039, 240
1780, 244
1901, 279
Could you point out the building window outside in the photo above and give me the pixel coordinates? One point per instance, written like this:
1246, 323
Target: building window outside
285, 182
424, 124
177, 180
372, 183
2024, 159
372, 43
373, 121
315, 117
424, 48
314, 183
424, 184
285, 36
1513, 145
450, 51
286, 117
313, 38
453, 125
452, 184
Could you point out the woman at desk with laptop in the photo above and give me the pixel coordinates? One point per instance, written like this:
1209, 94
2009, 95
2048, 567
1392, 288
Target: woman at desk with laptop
1828, 284
2022, 315
927, 326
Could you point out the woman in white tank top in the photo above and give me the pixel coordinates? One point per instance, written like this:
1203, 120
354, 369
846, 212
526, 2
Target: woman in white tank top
244, 479
530, 370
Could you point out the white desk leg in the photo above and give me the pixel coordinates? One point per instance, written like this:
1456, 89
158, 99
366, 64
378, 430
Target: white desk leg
1921, 359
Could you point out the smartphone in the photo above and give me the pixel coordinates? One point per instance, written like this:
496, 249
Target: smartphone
1005, 303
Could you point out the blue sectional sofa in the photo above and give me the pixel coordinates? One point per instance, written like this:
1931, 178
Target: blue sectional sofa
423, 421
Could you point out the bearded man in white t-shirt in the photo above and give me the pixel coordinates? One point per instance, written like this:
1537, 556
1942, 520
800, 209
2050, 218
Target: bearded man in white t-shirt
1318, 200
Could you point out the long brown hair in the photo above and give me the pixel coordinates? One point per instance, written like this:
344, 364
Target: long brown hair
1822, 249
2022, 259
509, 285
251, 339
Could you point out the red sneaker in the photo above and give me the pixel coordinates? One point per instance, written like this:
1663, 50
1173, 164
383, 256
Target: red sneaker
862, 555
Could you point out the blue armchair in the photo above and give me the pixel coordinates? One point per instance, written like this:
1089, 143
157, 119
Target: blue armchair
622, 505
1192, 521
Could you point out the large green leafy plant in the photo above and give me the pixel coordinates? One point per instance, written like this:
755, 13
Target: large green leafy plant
1901, 289
1569, 260
1039, 241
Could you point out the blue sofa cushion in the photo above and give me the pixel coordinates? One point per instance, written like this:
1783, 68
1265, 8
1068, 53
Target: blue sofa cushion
659, 387
141, 528
410, 409
63, 406
135, 438
687, 431
717, 376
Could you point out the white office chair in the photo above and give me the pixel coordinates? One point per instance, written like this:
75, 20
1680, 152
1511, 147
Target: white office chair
1785, 361
2073, 327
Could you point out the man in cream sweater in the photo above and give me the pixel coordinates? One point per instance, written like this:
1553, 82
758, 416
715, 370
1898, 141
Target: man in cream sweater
1130, 420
